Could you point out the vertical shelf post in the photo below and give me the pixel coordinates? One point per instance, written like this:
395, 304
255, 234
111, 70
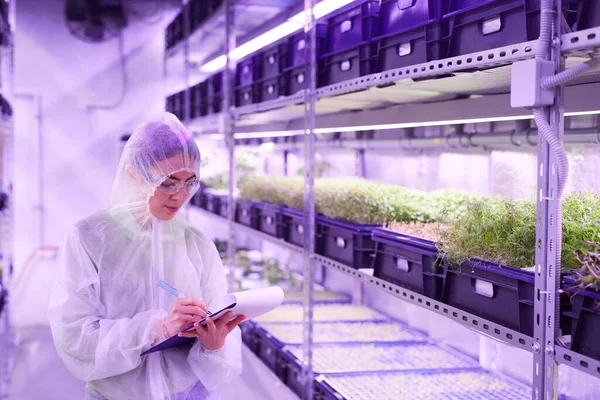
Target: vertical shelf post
548, 228
7, 337
309, 195
229, 131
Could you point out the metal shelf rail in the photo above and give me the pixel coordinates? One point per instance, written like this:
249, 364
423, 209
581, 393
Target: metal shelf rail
306, 106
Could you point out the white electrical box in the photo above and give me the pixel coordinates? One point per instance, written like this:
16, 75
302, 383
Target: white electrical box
526, 84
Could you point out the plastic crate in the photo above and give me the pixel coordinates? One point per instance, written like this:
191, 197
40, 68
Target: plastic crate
293, 226
249, 337
247, 213
269, 350
223, 209
410, 48
296, 80
346, 242
198, 100
272, 60
297, 45
478, 25
352, 26
495, 292
245, 95
270, 89
295, 71
247, 71
215, 93
215, 84
203, 199
215, 104
214, 202
430, 385
584, 320
344, 332
196, 198
411, 32
351, 53
271, 219
408, 262
329, 312
350, 64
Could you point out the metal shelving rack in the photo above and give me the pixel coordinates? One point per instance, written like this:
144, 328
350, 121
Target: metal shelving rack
312, 108
6, 213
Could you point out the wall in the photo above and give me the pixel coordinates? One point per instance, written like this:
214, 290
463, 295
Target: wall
77, 146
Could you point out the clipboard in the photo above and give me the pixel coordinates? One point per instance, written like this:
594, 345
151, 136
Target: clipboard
251, 303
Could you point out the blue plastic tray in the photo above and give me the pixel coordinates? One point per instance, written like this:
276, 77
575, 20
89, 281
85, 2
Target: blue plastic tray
330, 312
372, 357
409, 262
248, 329
345, 241
344, 332
435, 385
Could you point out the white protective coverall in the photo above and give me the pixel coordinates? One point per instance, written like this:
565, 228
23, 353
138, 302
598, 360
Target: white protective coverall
106, 308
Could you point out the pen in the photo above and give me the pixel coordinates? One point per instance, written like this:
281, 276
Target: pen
164, 285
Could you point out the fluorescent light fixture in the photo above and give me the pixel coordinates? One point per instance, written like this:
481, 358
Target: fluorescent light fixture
404, 125
328, 6
581, 113
265, 39
292, 25
214, 65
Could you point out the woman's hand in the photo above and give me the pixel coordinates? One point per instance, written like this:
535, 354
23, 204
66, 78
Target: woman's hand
185, 312
212, 336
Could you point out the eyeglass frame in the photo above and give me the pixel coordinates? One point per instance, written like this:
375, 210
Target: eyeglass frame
189, 186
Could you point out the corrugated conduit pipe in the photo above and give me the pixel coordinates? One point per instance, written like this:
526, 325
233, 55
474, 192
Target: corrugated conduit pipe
547, 18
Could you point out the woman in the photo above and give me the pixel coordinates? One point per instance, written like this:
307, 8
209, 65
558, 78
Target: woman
106, 308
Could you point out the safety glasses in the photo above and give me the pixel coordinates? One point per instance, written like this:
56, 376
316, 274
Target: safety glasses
171, 186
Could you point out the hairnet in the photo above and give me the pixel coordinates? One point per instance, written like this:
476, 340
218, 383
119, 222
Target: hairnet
155, 151
106, 308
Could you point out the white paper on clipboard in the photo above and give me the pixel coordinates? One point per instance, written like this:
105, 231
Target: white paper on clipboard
251, 303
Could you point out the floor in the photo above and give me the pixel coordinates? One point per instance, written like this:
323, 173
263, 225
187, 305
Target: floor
39, 373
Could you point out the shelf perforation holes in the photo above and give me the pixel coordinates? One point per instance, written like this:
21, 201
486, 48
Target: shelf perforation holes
582, 363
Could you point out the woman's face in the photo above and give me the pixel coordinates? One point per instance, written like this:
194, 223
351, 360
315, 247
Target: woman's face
167, 200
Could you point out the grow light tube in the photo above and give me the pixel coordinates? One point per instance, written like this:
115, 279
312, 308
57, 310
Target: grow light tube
292, 25
404, 125
581, 113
